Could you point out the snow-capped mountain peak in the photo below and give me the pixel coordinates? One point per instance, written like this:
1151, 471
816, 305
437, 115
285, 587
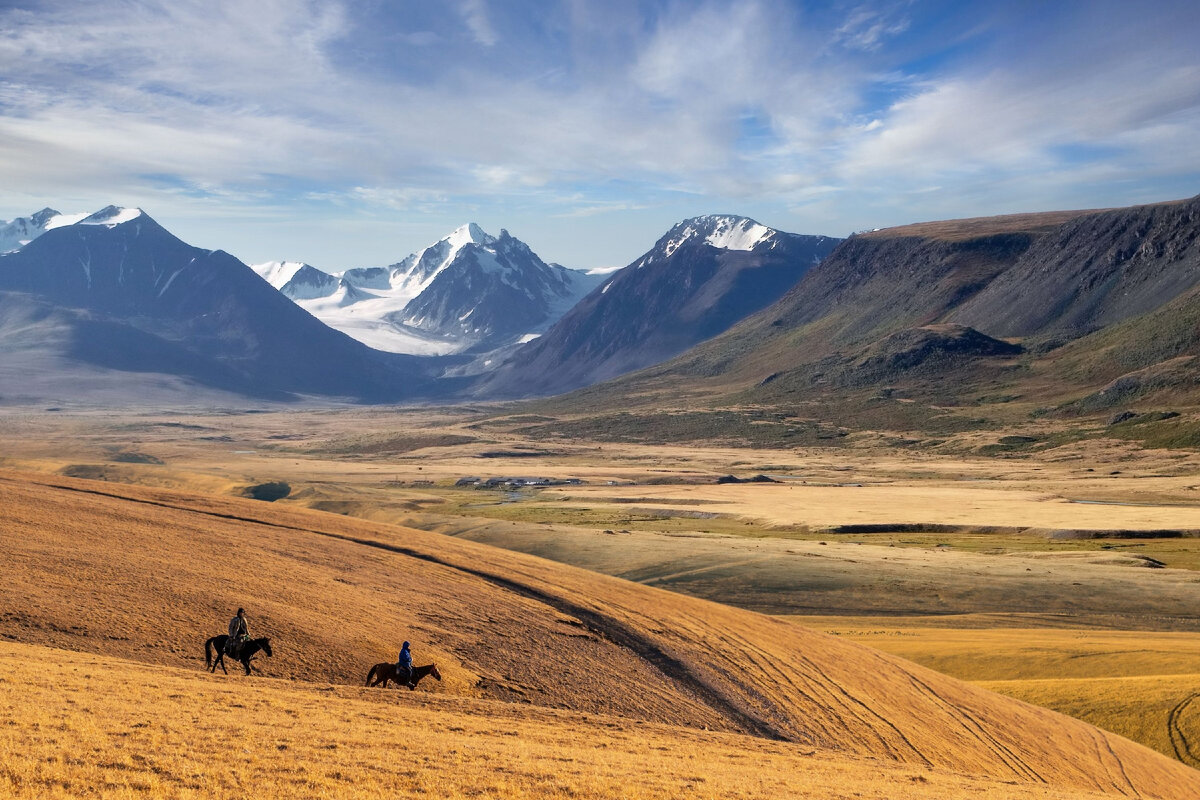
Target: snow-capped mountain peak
466, 290
23, 230
469, 234
111, 216
724, 232
278, 273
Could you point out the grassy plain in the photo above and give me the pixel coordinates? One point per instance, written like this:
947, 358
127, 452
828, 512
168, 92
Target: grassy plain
970, 548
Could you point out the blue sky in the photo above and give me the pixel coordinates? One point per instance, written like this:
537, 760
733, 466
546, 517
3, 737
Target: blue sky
352, 133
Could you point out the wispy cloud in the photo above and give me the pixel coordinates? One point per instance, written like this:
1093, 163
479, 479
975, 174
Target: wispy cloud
867, 27
475, 15
821, 114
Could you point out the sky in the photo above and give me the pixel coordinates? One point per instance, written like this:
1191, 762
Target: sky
351, 134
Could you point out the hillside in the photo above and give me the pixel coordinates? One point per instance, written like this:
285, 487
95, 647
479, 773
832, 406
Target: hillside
147, 574
169, 732
946, 327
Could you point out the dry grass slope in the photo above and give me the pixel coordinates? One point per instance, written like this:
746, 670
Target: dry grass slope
146, 573
83, 725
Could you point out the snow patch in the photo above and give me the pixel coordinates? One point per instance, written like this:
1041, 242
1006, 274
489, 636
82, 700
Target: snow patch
725, 233
601, 270
111, 216
63, 220
278, 273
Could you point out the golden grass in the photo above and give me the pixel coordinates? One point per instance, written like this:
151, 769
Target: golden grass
1011, 653
1138, 684
79, 725
830, 506
1159, 711
128, 571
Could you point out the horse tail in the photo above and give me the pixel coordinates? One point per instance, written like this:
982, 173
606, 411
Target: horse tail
208, 654
371, 675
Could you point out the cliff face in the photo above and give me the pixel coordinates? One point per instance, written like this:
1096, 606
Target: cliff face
1092, 272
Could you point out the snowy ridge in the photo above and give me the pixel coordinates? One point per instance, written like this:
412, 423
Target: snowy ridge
278, 273
467, 289
722, 232
21, 231
110, 216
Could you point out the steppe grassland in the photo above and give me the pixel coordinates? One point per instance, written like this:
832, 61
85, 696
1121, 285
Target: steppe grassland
80, 725
221, 454
1139, 684
495, 615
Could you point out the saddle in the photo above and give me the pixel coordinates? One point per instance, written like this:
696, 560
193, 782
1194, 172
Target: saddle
233, 647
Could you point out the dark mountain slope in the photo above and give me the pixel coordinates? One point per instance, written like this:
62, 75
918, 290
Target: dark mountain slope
129, 274
869, 287
904, 330
1094, 271
700, 278
1021, 275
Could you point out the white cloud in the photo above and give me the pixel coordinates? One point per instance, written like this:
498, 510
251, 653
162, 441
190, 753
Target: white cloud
726, 102
867, 27
475, 15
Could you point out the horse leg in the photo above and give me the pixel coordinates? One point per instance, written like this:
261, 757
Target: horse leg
246, 664
221, 660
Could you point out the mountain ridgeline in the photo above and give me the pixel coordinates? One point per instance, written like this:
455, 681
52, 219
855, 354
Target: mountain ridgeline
116, 291
952, 311
467, 292
703, 276
1082, 311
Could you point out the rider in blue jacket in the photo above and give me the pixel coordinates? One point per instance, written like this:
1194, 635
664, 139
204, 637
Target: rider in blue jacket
404, 667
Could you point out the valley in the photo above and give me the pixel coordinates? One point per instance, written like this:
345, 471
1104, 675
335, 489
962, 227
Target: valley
1068, 579
832, 430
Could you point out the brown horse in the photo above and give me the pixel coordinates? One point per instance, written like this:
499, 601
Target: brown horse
382, 673
248, 650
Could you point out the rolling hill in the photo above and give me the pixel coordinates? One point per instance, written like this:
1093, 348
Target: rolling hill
145, 574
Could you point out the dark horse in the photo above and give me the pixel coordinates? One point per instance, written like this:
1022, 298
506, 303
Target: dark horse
247, 652
382, 673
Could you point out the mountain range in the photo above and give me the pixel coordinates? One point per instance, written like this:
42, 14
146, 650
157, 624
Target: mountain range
958, 325
469, 291
115, 297
1076, 312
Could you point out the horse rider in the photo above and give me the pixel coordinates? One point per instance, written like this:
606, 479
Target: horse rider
238, 633
404, 667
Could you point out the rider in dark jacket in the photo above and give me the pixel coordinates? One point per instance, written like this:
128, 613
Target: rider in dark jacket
404, 667
238, 633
